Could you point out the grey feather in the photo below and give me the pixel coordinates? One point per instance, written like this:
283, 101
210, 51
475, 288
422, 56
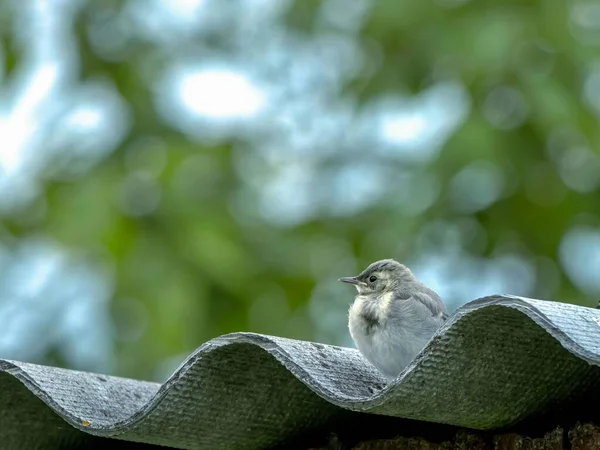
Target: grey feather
432, 301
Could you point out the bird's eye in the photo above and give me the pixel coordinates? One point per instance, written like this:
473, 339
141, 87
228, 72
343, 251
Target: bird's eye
372, 278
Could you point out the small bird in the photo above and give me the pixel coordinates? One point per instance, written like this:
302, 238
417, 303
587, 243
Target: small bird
393, 316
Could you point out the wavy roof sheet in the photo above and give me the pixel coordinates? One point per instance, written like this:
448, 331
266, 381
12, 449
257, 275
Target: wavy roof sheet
498, 361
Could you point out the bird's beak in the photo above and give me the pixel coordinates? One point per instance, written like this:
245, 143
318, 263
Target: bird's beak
351, 280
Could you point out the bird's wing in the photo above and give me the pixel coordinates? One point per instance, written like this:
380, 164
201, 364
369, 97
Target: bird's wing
433, 303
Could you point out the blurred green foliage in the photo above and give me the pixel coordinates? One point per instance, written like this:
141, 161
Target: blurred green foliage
198, 259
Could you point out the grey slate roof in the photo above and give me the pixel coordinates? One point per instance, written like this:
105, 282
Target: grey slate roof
498, 361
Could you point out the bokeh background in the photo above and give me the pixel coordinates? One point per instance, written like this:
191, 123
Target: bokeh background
173, 170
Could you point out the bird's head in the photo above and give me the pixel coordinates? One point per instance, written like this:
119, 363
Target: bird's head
380, 277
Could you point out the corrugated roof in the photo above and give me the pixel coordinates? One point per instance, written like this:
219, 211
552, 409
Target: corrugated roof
497, 361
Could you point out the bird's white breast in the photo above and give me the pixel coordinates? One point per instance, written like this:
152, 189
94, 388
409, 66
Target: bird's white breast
388, 345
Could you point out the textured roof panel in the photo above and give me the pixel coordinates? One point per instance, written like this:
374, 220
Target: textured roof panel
497, 361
